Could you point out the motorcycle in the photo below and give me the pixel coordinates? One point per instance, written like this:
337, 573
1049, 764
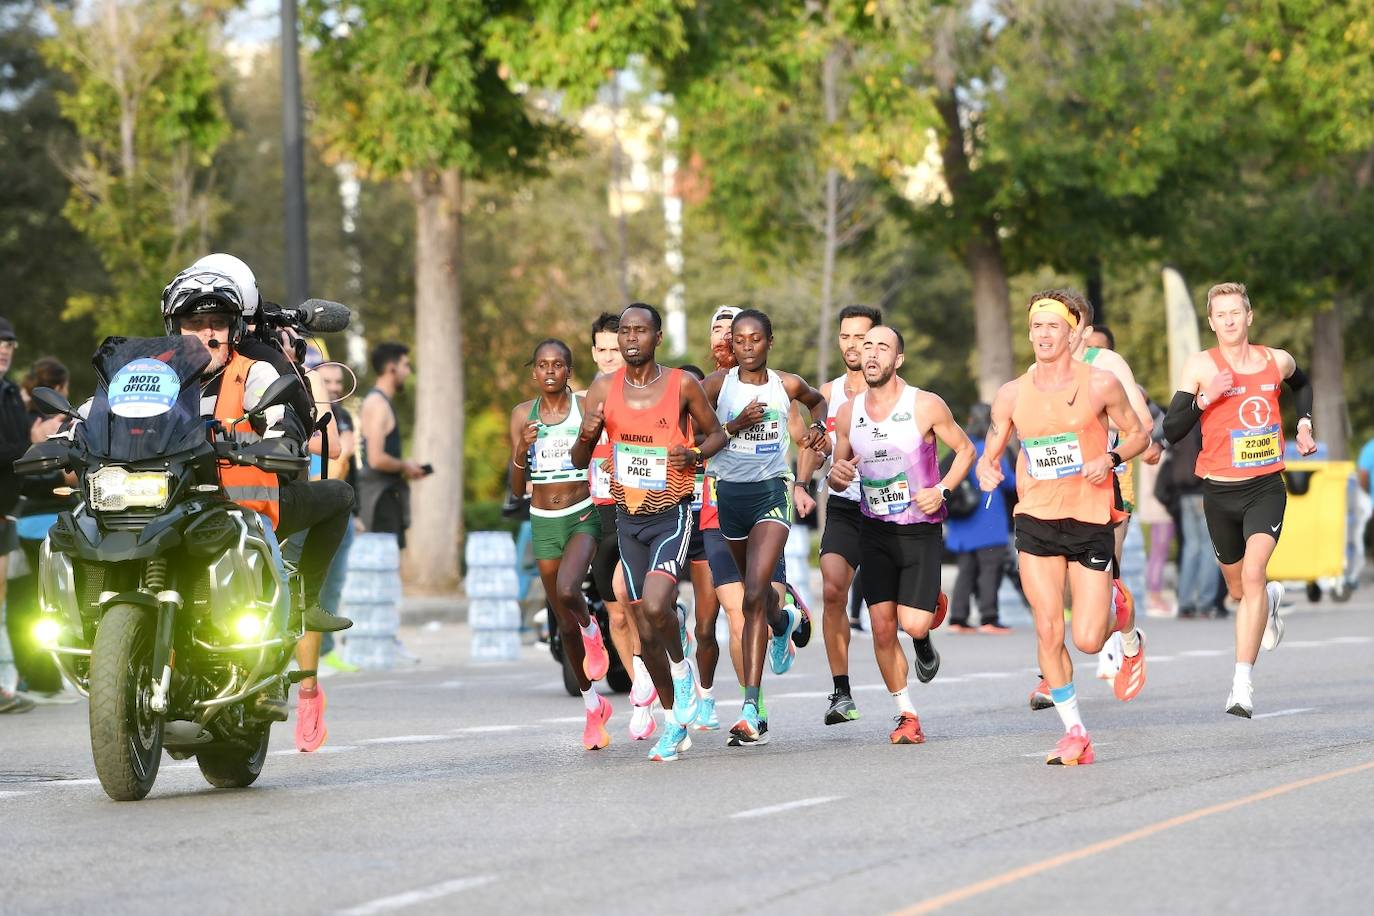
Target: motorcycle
161, 599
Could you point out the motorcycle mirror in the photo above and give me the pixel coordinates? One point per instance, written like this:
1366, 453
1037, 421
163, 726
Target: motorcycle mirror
278, 393
50, 403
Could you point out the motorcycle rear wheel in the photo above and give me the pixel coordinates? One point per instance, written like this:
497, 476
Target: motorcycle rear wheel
235, 768
126, 735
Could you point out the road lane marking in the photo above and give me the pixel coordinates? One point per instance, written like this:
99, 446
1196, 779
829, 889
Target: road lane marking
969, 891
997, 675
8, 794
486, 729
451, 685
785, 806
389, 682
561, 720
1306, 643
327, 749
1203, 653
1160, 658
405, 739
1284, 712
418, 896
68, 782
1351, 640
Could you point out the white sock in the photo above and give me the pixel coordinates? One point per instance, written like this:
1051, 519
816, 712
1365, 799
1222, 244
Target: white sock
640, 671
1130, 642
704, 692
590, 629
904, 704
1242, 676
591, 700
1066, 704
679, 669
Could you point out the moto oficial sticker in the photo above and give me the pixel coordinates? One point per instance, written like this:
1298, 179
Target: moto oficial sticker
144, 388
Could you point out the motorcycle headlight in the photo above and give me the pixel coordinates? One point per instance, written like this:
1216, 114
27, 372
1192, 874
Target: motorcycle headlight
113, 489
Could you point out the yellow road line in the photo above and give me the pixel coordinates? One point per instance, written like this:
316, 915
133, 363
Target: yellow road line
968, 891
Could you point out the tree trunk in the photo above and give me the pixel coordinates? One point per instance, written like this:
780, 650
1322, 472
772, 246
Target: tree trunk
431, 562
1329, 418
832, 203
981, 251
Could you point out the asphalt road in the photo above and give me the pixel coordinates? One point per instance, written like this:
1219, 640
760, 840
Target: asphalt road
448, 787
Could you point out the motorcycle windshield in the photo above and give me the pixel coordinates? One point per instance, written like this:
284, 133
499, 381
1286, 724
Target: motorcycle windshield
148, 401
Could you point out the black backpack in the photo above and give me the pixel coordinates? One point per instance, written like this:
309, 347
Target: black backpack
964, 498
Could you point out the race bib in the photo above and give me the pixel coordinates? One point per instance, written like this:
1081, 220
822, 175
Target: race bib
601, 480
887, 497
699, 493
553, 450
763, 438
642, 467
1255, 448
144, 388
1053, 457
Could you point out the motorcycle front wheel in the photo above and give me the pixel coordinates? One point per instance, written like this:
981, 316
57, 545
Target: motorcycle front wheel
126, 735
235, 768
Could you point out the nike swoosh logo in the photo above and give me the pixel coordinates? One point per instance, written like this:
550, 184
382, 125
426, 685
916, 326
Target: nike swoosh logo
1074, 398
1101, 560
587, 516
1275, 528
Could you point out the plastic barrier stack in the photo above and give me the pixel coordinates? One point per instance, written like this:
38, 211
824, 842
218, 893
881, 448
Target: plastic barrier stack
493, 589
372, 600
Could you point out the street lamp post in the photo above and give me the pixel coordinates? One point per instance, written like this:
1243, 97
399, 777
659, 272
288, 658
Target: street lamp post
293, 159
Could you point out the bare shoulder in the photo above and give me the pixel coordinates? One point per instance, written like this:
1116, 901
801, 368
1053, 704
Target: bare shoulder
1114, 363
1105, 381
1006, 395
930, 404
825, 390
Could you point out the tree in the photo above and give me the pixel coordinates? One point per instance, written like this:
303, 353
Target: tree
145, 102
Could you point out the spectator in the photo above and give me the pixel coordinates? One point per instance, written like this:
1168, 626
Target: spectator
1198, 572
16, 435
384, 483
979, 538
1365, 468
1154, 514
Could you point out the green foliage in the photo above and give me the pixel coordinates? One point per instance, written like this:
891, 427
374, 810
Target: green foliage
486, 444
144, 99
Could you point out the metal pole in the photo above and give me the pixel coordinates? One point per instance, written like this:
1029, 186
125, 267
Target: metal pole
293, 159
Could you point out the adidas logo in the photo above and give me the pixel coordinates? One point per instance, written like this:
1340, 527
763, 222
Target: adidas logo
662, 423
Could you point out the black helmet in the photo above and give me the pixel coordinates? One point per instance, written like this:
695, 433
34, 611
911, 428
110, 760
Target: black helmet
196, 291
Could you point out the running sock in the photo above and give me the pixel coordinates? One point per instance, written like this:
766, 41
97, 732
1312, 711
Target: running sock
1242, 676
1066, 704
1130, 643
751, 695
591, 700
679, 669
704, 692
590, 629
307, 693
842, 684
904, 704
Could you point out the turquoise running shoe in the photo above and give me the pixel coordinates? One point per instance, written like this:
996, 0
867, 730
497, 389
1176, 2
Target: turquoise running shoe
706, 720
685, 700
781, 652
673, 742
747, 731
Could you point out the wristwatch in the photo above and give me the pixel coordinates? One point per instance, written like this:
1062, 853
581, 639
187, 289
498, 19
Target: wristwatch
1116, 459
697, 456
944, 492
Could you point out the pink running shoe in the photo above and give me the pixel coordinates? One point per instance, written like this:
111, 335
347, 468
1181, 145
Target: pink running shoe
643, 723
310, 728
595, 736
597, 661
1074, 748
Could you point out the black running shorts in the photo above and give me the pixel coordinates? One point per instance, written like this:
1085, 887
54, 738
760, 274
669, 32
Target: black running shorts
1235, 511
901, 563
842, 523
655, 543
723, 568
696, 547
1093, 546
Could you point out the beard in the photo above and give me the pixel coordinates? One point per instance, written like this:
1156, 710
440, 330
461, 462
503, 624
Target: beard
857, 364
880, 376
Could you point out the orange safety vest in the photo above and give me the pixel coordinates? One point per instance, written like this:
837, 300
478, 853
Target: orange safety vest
249, 487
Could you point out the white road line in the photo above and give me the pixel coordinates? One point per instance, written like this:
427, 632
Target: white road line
1350, 640
1305, 644
418, 896
990, 675
12, 794
405, 739
785, 806
327, 749
562, 720
451, 685
1284, 712
68, 782
1203, 653
485, 729
951, 680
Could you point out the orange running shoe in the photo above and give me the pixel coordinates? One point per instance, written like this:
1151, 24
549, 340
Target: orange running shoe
311, 732
941, 609
1131, 678
1125, 605
597, 661
595, 736
1074, 748
908, 730
1040, 697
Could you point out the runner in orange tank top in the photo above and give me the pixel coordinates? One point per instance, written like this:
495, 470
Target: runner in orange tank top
1234, 390
648, 413
1060, 409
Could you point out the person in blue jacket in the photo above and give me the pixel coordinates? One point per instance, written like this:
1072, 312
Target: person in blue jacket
980, 539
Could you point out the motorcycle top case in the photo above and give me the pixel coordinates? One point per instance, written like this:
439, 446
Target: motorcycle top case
148, 402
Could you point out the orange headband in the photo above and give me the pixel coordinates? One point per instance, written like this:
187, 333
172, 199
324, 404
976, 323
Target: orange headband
1057, 307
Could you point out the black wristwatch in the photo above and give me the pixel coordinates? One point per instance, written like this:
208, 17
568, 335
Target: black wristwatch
1116, 459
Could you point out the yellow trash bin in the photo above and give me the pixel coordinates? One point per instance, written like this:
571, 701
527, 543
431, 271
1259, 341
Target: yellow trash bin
1314, 539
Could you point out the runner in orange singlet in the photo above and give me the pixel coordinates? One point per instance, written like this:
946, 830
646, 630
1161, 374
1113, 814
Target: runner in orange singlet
1234, 390
648, 413
1060, 409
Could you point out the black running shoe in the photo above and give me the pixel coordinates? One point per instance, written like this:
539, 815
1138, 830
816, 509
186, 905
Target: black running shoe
927, 659
842, 709
802, 634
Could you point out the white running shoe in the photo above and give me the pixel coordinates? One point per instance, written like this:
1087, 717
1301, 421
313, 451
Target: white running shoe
643, 724
1109, 659
1241, 702
1273, 629
642, 689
